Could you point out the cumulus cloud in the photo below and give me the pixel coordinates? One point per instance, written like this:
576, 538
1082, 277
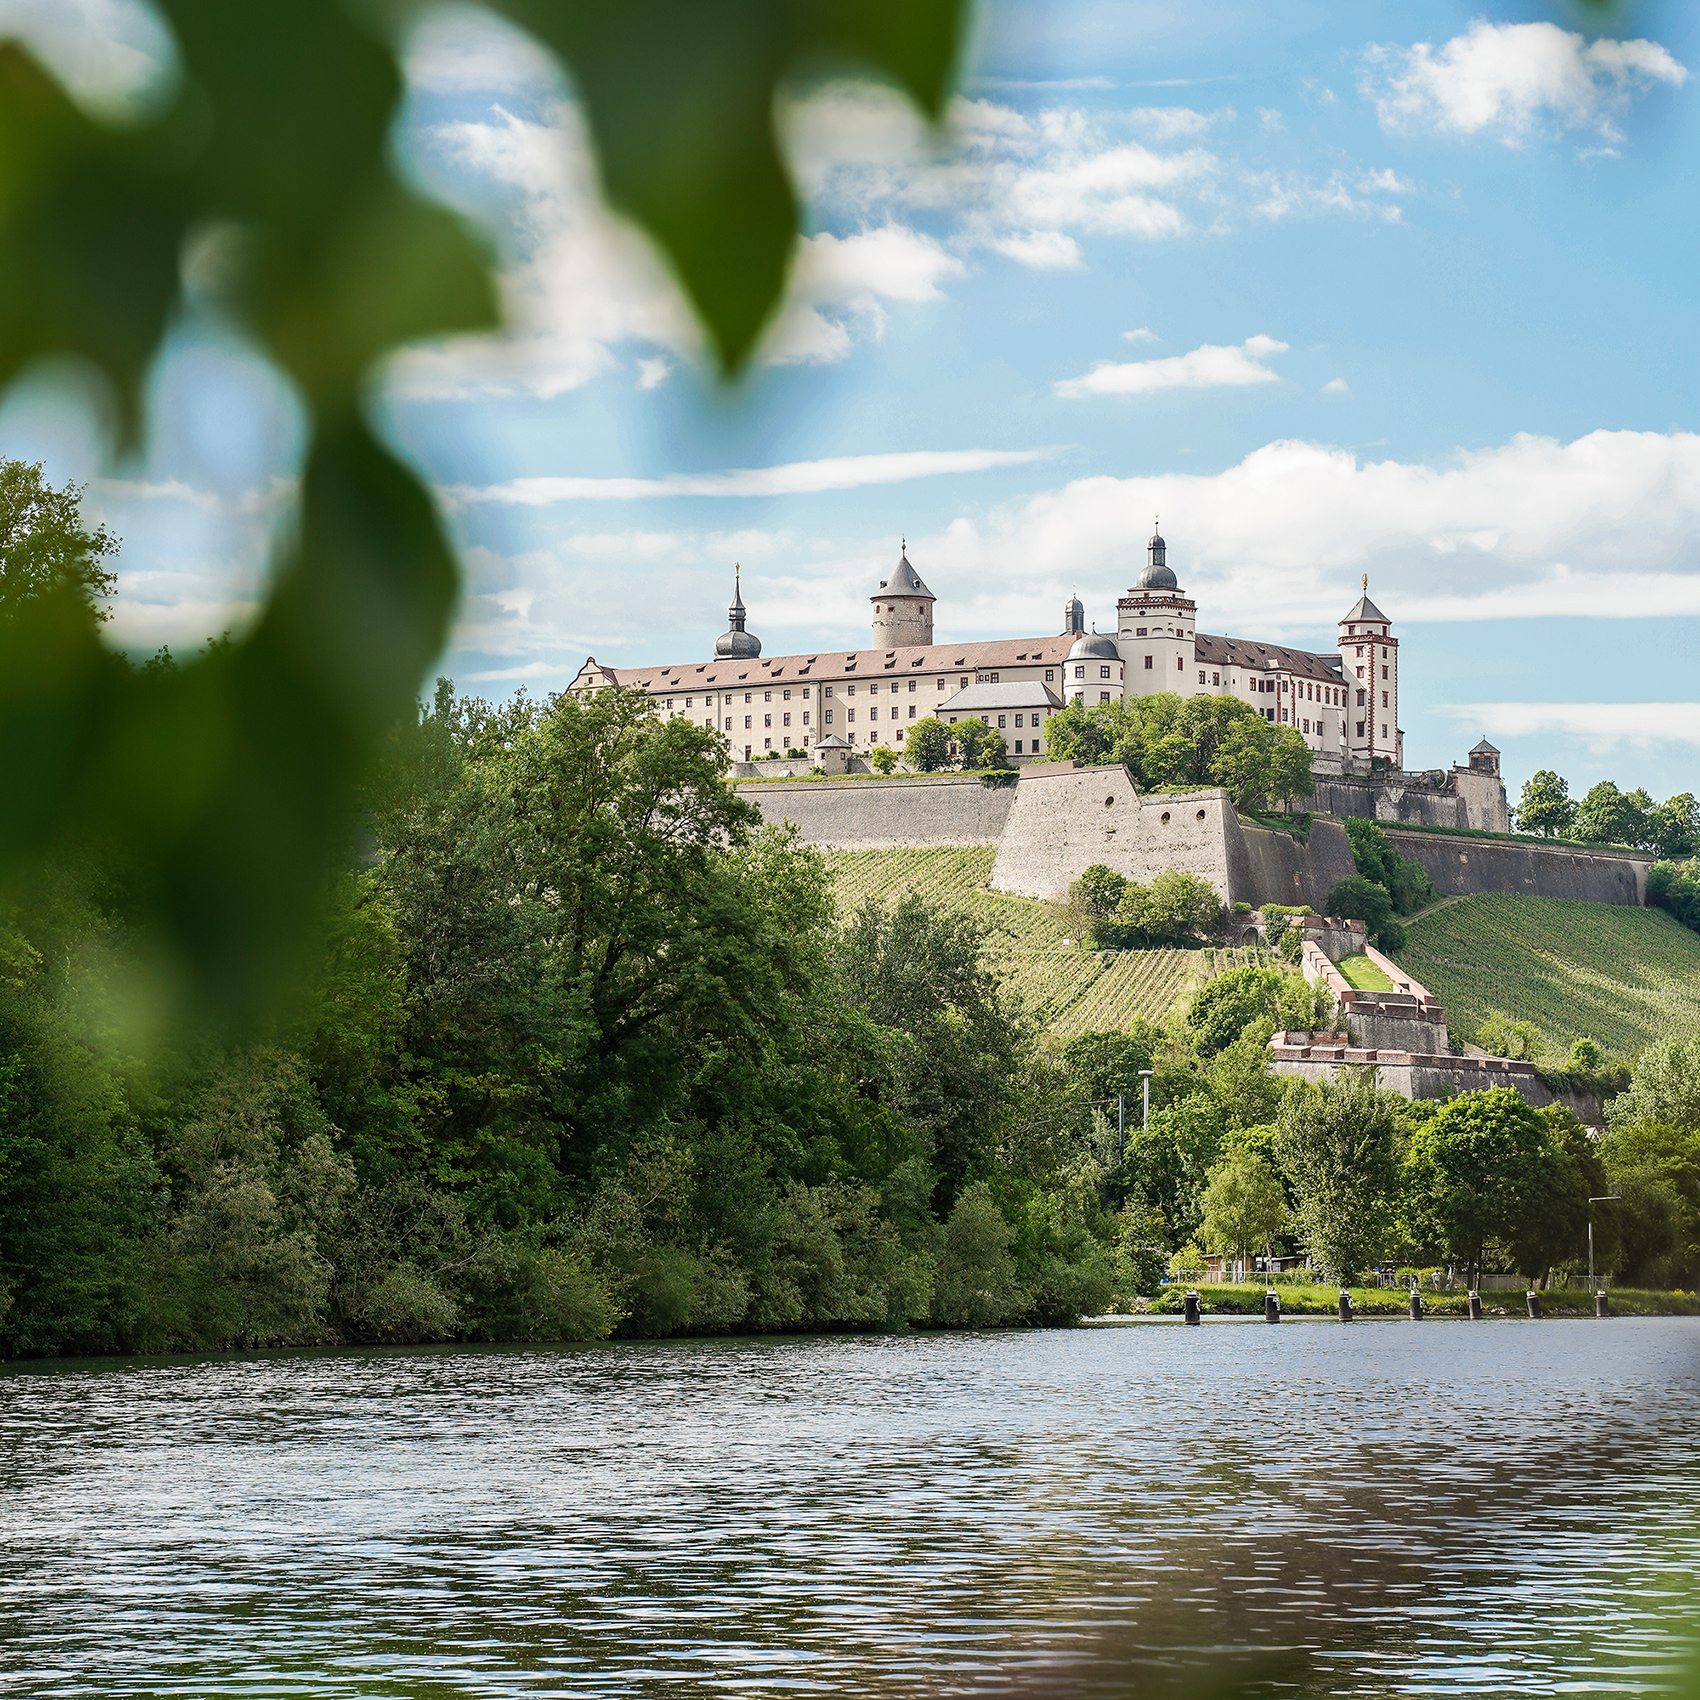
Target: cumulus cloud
1514, 80
1209, 367
1359, 194
1025, 185
1335, 386
1602, 727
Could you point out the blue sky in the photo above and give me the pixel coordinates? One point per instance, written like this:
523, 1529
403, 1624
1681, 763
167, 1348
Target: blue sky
1335, 288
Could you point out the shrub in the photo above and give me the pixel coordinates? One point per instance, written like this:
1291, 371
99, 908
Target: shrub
884, 759
1500, 1036
1361, 899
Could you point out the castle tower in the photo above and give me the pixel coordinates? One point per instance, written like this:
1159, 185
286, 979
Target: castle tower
737, 644
1156, 626
1074, 617
903, 608
1369, 665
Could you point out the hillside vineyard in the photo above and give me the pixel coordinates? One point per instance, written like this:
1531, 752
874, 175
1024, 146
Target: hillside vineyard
1344, 705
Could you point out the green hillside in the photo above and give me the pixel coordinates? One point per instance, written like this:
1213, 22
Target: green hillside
1623, 977
1072, 990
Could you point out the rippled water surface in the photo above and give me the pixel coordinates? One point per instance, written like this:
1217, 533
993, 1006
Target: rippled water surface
1386, 1508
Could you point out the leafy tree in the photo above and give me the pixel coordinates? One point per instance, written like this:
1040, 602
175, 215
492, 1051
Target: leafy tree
1290, 776
1479, 1171
1404, 880
1546, 807
977, 1285
1500, 1036
1610, 816
978, 745
1078, 734
1229, 1004
1674, 827
1676, 890
1167, 1162
1364, 900
1169, 760
46, 553
1172, 906
229, 781
1243, 1206
884, 759
1103, 1065
1334, 1143
1664, 1089
926, 747
1240, 764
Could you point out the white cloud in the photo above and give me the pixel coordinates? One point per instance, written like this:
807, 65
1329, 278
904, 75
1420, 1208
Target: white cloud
1023, 185
1209, 367
1602, 727
847, 472
1143, 334
1513, 80
1336, 386
652, 374
1605, 527
1356, 194
454, 49
116, 57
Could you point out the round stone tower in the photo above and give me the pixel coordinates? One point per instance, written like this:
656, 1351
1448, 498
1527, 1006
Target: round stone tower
903, 609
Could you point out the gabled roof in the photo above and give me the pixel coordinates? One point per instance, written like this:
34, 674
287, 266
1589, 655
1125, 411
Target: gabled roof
1484, 748
1365, 610
1255, 657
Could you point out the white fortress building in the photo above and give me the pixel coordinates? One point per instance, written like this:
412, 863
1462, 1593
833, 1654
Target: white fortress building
1344, 705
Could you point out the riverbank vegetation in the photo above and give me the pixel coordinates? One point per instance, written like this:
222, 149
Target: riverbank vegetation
590, 1051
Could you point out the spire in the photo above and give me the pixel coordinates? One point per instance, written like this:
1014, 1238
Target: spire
736, 611
737, 644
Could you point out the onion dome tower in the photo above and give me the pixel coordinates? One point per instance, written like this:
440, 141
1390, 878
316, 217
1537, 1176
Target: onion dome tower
903, 608
1156, 574
737, 644
1074, 617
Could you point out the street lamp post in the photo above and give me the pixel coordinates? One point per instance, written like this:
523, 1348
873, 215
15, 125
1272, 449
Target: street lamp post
1598, 1198
1145, 1099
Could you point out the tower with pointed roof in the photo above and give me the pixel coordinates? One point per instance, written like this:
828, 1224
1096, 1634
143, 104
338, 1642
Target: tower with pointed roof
736, 644
1369, 663
1156, 629
903, 607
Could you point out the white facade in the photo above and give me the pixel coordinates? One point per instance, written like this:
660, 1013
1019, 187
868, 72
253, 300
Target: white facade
870, 697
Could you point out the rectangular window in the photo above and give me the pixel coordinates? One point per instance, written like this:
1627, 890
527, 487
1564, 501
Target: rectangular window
829, 717
766, 696
687, 702
788, 720
1360, 699
1147, 667
1080, 672
728, 723
1360, 649
746, 722
1018, 720
747, 697
1384, 672
805, 717
911, 685
851, 715
1003, 720
849, 690
669, 705
826, 691
1201, 675
1103, 672
1037, 746
1360, 728
965, 681
1103, 696
1384, 699
911, 711
941, 684
767, 720
1048, 675
1018, 746
767, 743
786, 695
1384, 729
1307, 728
1139, 631
805, 693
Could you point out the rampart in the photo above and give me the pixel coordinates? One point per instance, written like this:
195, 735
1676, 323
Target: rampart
887, 814
1412, 1074
1462, 867
1058, 820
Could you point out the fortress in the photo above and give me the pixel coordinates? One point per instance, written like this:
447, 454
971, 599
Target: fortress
834, 709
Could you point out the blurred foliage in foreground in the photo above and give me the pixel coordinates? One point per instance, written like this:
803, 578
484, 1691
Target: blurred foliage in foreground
265, 180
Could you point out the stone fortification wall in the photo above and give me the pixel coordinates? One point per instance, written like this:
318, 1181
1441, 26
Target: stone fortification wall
1333, 936
1267, 865
887, 814
1459, 797
1466, 867
1412, 1074
1065, 819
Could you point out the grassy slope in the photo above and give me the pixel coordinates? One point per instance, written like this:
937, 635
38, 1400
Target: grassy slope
1072, 990
1623, 977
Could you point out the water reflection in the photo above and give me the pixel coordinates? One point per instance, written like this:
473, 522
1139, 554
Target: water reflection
1390, 1508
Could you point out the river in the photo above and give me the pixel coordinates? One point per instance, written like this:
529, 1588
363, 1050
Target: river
1390, 1507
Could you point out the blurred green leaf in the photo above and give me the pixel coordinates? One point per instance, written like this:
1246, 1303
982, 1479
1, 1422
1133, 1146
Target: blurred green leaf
680, 95
221, 792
